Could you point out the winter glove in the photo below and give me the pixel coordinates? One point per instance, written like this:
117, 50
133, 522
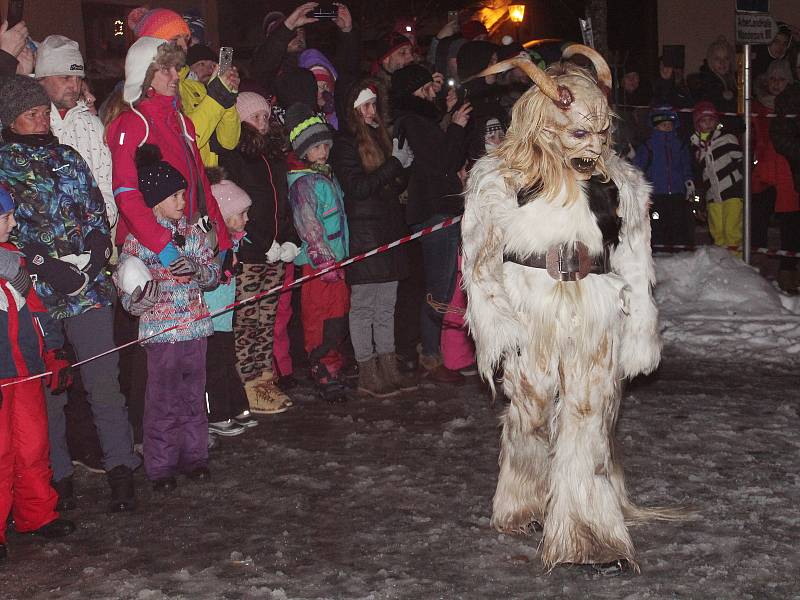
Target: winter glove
230, 267
99, 246
204, 224
289, 252
274, 253
63, 277
183, 267
402, 153
187, 267
142, 300
331, 276
12, 271
168, 255
60, 377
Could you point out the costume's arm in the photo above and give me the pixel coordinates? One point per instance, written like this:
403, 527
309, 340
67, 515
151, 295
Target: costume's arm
229, 129
100, 164
492, 321
640, 350
303, 197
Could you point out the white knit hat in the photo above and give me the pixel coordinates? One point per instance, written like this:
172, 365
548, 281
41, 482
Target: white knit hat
59, 55
140, 56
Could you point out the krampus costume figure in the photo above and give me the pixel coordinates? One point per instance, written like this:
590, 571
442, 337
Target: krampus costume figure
558, 270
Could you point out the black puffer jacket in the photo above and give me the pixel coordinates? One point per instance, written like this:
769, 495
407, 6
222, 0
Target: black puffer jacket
270, 216
374, 213
433, 187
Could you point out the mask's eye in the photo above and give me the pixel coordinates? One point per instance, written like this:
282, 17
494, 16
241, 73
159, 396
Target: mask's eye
580, 134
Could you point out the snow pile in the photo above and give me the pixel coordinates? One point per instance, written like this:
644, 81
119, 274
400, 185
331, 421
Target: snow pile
709, 300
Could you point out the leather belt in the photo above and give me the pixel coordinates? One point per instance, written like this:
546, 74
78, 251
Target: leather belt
565, 262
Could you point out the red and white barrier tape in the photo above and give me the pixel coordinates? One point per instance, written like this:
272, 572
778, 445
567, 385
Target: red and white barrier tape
689, 110
767, 251
279, 289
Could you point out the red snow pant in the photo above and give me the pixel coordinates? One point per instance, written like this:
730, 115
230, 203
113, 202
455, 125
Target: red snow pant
25, 459
323, 310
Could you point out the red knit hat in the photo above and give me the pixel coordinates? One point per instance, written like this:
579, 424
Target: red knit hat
160, 23
704, 109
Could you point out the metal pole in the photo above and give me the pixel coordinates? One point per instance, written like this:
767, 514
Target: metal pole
748, 158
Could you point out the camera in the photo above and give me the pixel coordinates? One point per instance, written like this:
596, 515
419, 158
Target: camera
325, 11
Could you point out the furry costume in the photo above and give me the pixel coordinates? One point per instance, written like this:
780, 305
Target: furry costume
565, 345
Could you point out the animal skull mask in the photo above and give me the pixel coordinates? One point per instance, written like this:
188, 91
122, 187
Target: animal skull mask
578, 120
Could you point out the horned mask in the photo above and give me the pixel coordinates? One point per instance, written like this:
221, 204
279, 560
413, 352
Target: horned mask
578, 119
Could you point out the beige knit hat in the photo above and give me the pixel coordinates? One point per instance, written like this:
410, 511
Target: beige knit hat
60, 56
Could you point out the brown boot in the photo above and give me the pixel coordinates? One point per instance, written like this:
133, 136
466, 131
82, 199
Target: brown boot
387, 364
370, 380
789, 280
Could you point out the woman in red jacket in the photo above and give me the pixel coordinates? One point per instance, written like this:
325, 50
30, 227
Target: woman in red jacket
151, 113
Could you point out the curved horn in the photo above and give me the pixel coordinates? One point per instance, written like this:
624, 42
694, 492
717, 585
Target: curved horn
599, 63
558, 94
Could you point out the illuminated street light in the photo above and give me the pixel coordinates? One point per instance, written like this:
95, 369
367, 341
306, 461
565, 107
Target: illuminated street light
516, 12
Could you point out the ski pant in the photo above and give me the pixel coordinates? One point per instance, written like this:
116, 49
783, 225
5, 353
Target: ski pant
671, 221
175, 421
372, 319
225, 395
91, 333
458, 349
440, 255
281, 350
725, 222
761, 209
324, 307
24, 467
254, 323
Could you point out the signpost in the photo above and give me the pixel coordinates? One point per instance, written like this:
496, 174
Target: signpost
753, 26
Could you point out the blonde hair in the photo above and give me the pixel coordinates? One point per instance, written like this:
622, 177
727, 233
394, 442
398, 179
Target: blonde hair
532, 161
167, 55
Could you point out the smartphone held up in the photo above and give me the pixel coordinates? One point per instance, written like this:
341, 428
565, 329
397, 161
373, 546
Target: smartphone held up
327, 11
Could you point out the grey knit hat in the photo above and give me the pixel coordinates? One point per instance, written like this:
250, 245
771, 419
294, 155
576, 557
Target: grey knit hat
306, 129
19, 93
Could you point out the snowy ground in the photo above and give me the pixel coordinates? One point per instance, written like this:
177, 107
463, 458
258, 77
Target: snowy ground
391, 499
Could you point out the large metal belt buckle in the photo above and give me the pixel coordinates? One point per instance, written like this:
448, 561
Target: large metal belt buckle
568, 262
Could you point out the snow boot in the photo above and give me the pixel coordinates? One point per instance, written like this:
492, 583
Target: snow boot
611, 569
371, 382
789, 281
66, 494
265, 398
390, 371
333, 392
55, 529
123, 495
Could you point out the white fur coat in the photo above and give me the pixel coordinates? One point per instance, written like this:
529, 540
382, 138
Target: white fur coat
521, 314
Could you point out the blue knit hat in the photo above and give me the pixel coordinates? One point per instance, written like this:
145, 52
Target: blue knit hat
6, 201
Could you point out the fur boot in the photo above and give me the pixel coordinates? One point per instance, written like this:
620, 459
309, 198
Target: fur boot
389, 370
370, 381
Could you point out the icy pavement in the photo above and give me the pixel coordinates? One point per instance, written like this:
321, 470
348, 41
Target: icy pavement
392, 499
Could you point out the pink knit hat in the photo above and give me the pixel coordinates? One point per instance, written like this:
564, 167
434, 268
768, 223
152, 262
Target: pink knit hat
231, 198
159, 23
249, 103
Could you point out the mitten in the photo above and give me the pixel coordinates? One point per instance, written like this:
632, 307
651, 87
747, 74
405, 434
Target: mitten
274, 253
99, 246
402, 153
79, 260
230, 267
289, 252
60, 275
142, 300
60, 377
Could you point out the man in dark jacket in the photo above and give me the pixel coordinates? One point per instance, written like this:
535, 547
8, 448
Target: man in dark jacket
785, 134
434, 194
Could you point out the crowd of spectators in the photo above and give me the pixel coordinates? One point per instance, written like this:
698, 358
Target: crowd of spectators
195, 185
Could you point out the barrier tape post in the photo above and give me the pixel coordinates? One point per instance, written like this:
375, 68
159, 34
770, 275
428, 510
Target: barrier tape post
278, 289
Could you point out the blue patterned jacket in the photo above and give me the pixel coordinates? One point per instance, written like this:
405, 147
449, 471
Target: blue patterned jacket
59, 205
